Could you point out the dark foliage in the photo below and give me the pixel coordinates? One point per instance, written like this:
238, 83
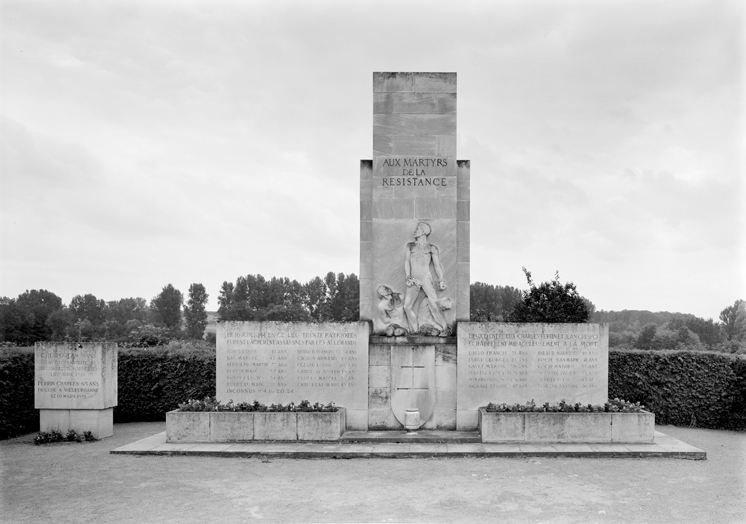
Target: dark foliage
333, 298
195, 313
23, 320
17, 413
489, 303
154, 381
683, 388
550, 302
166, 307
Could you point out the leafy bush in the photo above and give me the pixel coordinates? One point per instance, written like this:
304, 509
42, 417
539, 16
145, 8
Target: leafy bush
71, 436
550, 302
212, 404
612, 406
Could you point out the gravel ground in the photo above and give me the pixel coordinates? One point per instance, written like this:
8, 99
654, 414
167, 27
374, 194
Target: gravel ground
81, 483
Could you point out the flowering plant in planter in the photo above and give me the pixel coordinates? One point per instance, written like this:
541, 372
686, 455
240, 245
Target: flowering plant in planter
212, 404
612, 406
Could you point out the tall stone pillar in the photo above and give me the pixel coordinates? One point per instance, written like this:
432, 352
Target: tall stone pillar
414, 208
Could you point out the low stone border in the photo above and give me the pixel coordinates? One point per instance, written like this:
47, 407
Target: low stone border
566, 427
237, 426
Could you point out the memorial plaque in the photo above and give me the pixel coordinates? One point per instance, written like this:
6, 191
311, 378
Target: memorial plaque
277, 362
75, 376
515, 363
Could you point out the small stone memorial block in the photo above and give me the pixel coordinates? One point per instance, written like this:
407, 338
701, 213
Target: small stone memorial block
76, 386
278, 362
515, 363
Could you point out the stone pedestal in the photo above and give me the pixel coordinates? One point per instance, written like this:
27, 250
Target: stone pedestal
76, 387
412, 373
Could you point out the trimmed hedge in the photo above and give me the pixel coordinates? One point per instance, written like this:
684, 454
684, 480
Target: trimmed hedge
17, 413
685, 388
154, 381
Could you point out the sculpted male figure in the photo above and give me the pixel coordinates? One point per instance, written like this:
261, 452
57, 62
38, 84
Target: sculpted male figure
418, 255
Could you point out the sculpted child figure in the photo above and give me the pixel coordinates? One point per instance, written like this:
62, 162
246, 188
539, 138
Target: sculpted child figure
390, 319
418, 256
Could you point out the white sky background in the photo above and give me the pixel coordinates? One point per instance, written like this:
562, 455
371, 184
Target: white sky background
146, 143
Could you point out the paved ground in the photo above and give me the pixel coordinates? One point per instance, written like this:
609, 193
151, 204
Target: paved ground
423, 444
81, 483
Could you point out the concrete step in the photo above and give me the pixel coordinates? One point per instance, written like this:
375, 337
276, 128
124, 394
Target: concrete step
417, 437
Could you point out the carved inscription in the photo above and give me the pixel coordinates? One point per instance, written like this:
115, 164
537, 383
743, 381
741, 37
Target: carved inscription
75, 376
561, 360
515, 363
275, 362
415, 172
67, 373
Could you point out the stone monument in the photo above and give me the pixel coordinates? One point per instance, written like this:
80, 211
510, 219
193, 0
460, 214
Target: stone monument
76, 387
414, 360
414, 249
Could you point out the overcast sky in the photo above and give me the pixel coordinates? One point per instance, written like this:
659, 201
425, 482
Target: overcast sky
147, 143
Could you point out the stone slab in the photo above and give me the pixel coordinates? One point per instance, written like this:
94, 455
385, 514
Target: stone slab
187, 427
275, 426
515, 363
567, 427
589, 428
321, 426
632, 427
231, 426
100, 422
282, 362
411, 102
75, 376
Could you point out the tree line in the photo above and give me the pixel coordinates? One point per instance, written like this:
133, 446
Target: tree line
40, 315
630, 329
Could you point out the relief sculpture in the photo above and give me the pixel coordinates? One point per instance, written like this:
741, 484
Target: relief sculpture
421, 311
391, 319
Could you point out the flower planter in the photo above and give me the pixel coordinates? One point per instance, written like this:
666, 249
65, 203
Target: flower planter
236, 426
566, 427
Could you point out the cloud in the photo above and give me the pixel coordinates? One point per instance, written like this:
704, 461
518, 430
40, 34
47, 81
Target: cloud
197, 141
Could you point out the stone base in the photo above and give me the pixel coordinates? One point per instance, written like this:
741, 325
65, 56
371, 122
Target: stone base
539, 427
381, 376
213, 426
100, 422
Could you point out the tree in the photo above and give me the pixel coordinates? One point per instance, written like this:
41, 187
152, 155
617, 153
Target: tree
60, 322
195, 313
315, 296
24, 319
167, 307
489, 303
550, 302
90, 307
733, 320
646, 337
343, 296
